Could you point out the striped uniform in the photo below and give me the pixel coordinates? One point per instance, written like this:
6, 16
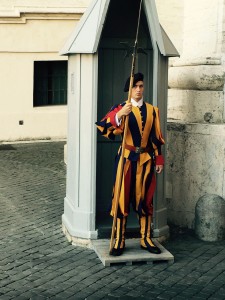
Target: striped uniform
138, 181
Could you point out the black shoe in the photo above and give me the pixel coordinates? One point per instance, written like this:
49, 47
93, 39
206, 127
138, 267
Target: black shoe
116, 252
151, 249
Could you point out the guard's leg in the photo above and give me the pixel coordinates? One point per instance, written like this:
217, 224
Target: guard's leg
145, 230
120, 236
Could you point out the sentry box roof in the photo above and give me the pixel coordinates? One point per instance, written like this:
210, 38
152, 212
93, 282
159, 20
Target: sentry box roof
86, 36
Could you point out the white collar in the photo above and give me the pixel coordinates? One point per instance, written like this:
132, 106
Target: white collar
135, 103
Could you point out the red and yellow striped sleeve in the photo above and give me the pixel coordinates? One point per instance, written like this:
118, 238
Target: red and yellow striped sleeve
107, 127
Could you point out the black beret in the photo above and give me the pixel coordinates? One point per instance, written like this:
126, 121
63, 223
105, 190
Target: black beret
137, 77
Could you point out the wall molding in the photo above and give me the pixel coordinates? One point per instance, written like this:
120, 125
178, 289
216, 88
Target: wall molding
24, 17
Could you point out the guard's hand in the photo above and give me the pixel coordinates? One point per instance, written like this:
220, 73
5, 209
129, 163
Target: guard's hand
159, 169
127, 108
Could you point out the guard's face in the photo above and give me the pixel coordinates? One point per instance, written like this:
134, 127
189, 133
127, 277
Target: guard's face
137, 91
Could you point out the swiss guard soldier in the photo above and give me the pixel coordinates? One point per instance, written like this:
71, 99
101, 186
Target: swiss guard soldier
142, 157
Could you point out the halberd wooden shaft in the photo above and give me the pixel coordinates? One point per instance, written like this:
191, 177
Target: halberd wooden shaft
121, 161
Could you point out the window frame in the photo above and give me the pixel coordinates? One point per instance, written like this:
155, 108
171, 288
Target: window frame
50, 83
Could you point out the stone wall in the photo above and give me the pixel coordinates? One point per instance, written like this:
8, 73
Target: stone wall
171, 15
195, 167
196, 130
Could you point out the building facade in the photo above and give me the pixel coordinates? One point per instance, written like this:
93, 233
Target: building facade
33, 76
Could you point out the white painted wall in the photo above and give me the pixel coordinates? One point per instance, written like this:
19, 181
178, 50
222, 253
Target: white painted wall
16, 101
14, 7
33, 30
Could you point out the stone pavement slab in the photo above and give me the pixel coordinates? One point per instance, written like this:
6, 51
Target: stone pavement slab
37, 261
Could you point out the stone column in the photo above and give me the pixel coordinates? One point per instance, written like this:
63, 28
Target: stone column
79, 205
196, 112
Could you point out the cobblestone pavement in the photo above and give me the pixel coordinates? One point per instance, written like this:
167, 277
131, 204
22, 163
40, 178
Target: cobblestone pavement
37, 262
